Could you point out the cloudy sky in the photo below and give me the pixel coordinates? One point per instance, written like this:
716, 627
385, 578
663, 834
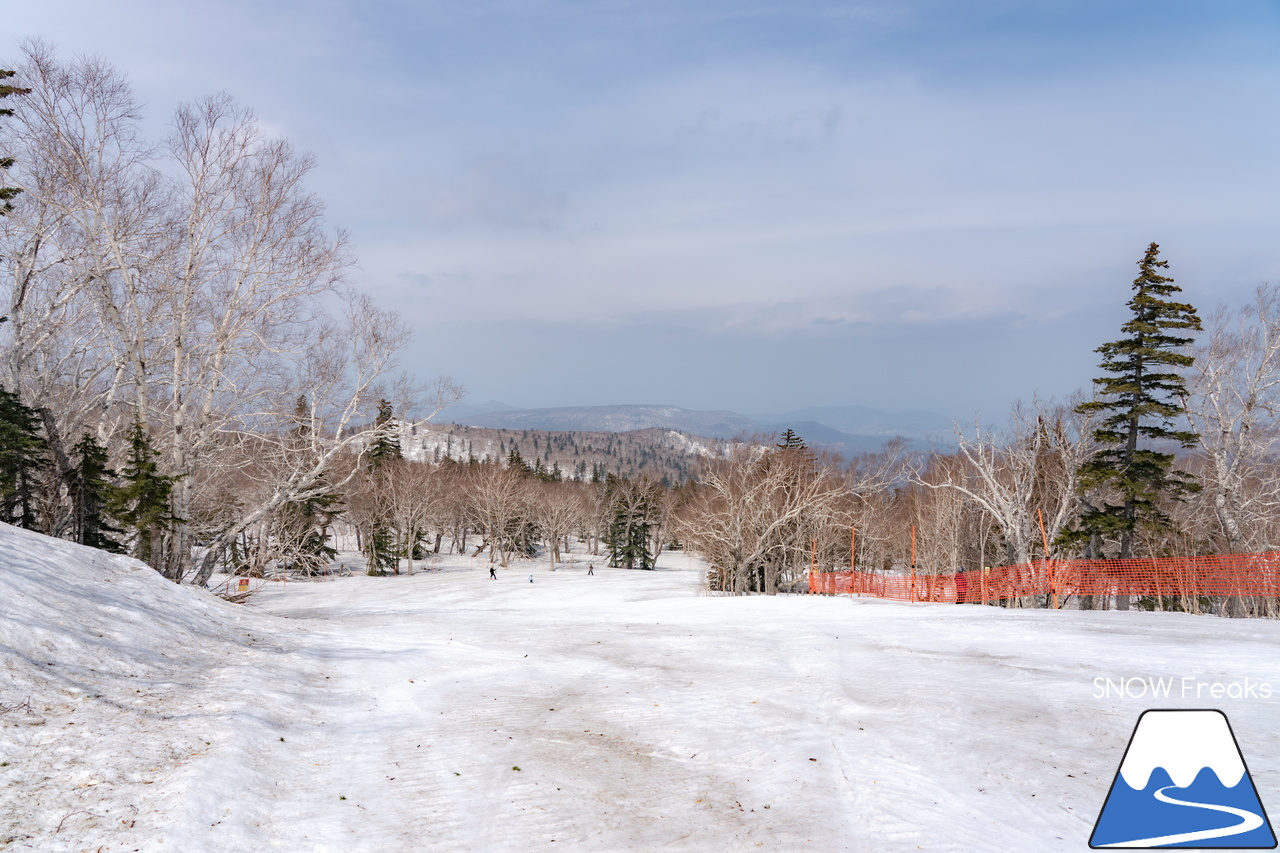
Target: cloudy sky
750, 205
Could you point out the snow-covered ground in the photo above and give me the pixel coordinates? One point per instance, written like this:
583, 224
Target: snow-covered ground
620, 711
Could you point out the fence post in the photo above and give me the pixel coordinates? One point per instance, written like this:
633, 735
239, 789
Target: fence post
853, 541
912, 599
1044, 537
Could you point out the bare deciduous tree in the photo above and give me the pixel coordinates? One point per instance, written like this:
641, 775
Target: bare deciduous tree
342, 374
759, 511
498, 503
183, 288
1018, 473
1232, 403
559, 509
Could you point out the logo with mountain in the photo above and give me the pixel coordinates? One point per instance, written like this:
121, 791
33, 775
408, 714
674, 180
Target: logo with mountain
1183, 783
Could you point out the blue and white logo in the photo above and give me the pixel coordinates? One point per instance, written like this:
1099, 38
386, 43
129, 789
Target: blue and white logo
1183, 783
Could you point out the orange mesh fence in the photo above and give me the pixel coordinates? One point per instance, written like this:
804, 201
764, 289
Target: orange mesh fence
1216, 575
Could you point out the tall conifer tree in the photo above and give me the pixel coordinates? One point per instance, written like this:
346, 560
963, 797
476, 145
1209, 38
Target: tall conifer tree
22, 459
386, 441
792, 441
144, 503
302, 526
7, 193
94, 496
631, 517
380, 544
1140, 398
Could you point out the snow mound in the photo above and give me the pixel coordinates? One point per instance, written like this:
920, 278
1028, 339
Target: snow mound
81, 609
125, 703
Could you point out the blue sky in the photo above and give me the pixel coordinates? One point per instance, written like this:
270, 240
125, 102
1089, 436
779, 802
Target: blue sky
750, 205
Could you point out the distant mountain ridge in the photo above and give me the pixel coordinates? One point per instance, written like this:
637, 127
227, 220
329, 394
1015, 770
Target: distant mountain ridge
861, 420
721, 424
848, 429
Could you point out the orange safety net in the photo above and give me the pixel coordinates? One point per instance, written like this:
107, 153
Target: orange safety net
1216, 575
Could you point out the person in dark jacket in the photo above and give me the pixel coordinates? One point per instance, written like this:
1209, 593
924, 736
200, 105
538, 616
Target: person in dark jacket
962, 586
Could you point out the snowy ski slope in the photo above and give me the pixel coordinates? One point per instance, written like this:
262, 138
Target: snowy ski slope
390, 714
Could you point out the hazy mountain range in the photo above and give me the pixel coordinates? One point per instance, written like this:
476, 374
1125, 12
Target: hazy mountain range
849, 429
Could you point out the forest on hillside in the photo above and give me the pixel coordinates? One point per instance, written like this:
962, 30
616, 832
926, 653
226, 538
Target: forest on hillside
669, 456
186, 376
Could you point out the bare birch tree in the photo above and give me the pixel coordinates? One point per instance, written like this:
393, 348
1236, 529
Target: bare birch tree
1233, 405
1016, 473
342, 373
242, 295
80, 253
498, 502
559, 510
414, 499
757, 514
183, 288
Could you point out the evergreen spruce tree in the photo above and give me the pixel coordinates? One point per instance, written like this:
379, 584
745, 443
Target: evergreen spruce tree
302, 526
631, 513
386, 441
7, 193
791, 441
23, 459
380, 543
144, 503
93, 496
516, 462
1140, 400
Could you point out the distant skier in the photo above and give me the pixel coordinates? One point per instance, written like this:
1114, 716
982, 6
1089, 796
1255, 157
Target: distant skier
591, 570
962, 586
530, 578
493, 573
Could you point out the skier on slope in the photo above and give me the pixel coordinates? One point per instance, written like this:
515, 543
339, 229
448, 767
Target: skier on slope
493, 573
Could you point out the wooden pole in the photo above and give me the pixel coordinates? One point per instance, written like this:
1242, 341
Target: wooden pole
913, 564
813, 562
1048, 563
853, 541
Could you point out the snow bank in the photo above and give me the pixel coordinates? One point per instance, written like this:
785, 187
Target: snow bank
126, 702
618, 711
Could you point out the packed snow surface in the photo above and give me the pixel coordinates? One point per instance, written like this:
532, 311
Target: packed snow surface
622, 711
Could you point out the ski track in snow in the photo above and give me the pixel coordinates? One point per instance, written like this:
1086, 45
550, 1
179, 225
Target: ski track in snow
387, 714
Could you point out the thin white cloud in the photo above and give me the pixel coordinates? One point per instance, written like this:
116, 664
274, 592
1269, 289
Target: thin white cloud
766, 169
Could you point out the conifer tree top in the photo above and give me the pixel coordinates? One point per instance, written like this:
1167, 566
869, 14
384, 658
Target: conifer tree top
791, 441
7, 193
1140, 398
1143, 388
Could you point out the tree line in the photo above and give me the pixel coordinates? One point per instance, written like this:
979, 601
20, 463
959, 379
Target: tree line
669, 456
185, 376
1174, 453
402, 512
178, 306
